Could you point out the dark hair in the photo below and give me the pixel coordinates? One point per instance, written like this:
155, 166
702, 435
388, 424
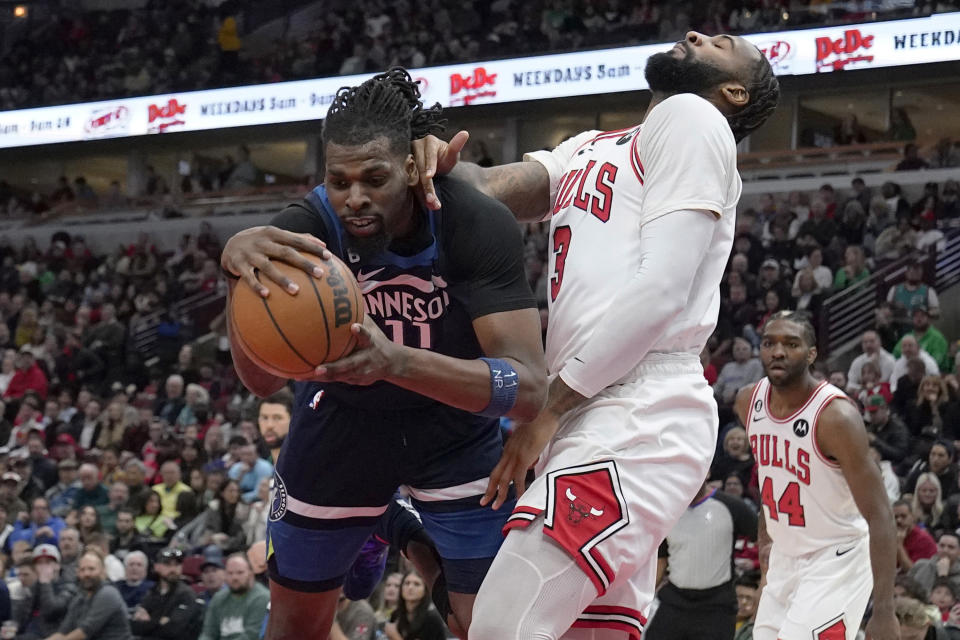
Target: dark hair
913, 588
283, 396
764, 90
749, 579
944, 582
800, 318
388, 105
405, 626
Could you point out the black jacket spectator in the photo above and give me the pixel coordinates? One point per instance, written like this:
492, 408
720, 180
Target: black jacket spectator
891, 438
179, 605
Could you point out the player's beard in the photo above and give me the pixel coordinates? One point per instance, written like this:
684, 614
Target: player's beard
790, 375
368, 247
670, 75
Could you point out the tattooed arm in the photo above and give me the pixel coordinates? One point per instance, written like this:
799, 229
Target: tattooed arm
523, 186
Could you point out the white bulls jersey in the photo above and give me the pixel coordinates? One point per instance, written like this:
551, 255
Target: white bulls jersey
806, 499
604, 187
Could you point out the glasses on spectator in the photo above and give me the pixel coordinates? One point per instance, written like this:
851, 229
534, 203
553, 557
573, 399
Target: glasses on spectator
171, 555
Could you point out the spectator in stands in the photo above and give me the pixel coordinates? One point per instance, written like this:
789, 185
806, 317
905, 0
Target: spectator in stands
913, 293
249, 470
735, 456
945, 564
910, 350
41, 528
849, 131
44, 469
245, 174
414, 617
217, 531
113, 424
237, 613
28, 376
854, 269
91, 491
928, 337
70, 549
168, 406
152, 524
870, 384
927, 502
88, 524
911, 159
126, 538
170, 488
134, 585
134, 476
170, 609
820, 226
933, 413
874, 352
886, 431
98, 611
913, 541
85, 427
950, 204
852, 223
43, 613
213, 577
106, 338
744, 369
9, 484
900, 126
821, 273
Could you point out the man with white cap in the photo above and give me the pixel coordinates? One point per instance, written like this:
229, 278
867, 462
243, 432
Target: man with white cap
50, 597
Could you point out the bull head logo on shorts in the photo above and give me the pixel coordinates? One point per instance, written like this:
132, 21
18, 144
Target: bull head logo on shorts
580, 510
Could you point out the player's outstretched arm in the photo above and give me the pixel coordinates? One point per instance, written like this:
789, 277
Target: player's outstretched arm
841, 435
511, 339
523, 186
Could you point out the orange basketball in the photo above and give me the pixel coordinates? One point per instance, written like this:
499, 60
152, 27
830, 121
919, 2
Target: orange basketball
289, 335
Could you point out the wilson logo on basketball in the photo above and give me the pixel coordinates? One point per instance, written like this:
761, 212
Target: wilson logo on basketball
342, 306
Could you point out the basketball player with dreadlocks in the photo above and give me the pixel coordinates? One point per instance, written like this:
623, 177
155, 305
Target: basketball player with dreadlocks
451, 342
824, 507
641, 226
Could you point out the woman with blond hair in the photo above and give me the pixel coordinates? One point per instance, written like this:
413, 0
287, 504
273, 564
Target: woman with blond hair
735, 457
927, 503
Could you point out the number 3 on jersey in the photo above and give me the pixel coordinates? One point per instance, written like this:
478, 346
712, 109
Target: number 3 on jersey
788, 504
561, 245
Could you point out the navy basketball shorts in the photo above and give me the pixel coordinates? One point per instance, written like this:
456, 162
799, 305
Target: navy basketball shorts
340, 467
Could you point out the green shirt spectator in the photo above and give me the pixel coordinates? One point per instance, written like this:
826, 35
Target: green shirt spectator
236, 613
929, 338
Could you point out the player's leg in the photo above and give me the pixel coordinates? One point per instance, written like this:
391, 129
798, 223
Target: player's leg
781, 581
623, 471
832, 594
547, 588
297, 614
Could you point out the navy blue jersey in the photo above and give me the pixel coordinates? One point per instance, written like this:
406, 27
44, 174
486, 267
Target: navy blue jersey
465, 261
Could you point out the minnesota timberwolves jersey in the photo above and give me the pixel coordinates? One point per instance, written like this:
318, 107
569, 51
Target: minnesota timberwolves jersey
428, 297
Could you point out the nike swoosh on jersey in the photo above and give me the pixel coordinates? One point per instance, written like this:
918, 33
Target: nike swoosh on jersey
405, 279
846, 551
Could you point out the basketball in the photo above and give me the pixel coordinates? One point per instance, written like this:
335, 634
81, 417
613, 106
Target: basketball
289, 335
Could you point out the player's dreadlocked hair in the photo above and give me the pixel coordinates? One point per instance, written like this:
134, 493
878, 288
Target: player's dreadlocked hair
801, 318
764, 90
388, 104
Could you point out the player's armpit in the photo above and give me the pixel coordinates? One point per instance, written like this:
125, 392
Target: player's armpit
742, 404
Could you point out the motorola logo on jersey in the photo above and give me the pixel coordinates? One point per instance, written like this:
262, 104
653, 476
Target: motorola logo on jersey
801, 428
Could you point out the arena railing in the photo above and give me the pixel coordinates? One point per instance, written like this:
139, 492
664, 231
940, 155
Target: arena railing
846, 314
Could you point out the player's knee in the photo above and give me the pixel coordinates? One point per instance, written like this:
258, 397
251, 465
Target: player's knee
493, 627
